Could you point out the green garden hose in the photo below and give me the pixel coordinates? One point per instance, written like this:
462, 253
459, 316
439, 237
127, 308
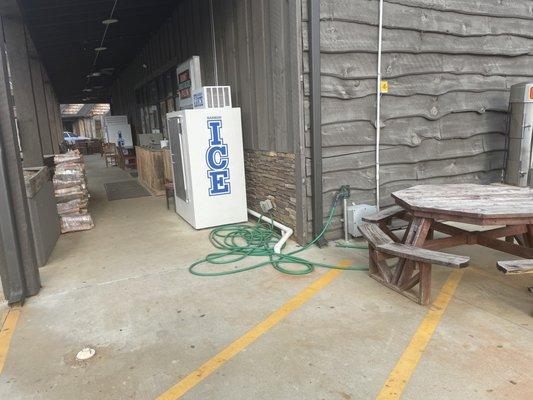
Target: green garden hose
240, 241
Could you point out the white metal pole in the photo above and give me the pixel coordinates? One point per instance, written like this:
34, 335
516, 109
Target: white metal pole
378, 103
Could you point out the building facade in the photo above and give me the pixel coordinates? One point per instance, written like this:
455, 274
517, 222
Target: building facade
448, 66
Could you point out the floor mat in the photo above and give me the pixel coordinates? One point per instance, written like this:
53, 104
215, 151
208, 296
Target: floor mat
125, 190
134, 174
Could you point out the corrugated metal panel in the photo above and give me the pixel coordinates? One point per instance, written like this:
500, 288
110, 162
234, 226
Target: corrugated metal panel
449, 64
253, 38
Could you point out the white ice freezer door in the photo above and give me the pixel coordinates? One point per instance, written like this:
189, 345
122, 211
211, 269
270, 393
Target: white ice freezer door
178, 158
214, 137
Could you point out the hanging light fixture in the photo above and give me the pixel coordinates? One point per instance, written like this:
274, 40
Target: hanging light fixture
109, 21
101, 48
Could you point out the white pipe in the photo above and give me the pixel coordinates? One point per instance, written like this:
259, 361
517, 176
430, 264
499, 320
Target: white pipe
286, 232
378, 102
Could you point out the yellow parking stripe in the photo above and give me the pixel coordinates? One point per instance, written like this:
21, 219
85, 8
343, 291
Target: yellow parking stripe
6, 333
400, 375
194, 378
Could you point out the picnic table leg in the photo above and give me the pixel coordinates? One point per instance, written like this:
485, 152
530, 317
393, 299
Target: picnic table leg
529, 239
416, 236
424, 287
529, 236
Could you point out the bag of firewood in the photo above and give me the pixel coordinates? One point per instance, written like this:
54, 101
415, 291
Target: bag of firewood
72, 156
77, 206
59, 184
76, 222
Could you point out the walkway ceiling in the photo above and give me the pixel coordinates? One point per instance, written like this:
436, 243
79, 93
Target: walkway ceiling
66, 32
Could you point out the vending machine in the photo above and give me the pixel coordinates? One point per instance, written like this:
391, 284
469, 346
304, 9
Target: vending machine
208, 165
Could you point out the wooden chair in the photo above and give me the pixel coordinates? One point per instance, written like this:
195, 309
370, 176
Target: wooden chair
169, 191
110, 154
81, 146
94, 146
125, 159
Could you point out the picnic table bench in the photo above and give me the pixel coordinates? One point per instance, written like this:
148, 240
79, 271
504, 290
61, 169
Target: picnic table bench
516, 266
426, 208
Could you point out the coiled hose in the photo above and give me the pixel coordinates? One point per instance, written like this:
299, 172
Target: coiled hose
240, 241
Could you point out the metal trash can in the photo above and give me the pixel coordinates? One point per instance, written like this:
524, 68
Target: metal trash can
519, 168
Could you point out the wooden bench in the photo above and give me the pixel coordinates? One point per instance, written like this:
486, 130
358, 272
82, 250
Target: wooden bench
385, 215
516, 267
384, 218
381, 243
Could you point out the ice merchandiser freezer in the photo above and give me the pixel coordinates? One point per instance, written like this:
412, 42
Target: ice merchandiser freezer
519, 169
208, 166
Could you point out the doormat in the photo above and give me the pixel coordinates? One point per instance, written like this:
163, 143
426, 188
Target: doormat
125, 190
134, 174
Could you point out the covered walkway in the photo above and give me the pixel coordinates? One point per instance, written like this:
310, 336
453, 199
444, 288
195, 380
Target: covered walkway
152, 323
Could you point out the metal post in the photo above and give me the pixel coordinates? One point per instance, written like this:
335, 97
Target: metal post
20, 275
315, 86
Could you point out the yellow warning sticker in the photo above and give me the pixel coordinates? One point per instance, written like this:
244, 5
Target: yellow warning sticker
384, 86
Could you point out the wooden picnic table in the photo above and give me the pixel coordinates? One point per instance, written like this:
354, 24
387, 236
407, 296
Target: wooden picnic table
426, 208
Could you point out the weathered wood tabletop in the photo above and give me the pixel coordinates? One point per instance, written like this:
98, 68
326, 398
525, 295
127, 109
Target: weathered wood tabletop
481, 204
427, 208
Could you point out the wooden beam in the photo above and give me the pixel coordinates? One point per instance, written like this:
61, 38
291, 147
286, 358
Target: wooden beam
506, 247
23, 92
39, 96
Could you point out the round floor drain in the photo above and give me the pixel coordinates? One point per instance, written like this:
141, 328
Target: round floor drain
85, 354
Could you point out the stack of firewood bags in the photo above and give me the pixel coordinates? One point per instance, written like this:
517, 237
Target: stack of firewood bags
72, 196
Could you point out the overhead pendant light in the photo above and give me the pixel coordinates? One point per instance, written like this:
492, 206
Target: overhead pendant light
93, 74
101, 48
109, 21
98, 87
107, 71
86, 99
87, 90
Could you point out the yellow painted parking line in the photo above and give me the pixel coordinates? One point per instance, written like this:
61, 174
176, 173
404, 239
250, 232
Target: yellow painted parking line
6, 333
195, 377
400, 375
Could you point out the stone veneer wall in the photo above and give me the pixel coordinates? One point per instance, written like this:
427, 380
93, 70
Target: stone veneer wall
270, 175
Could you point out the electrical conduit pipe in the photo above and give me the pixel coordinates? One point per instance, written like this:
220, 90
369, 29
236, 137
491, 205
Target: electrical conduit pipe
378, 102
286, 232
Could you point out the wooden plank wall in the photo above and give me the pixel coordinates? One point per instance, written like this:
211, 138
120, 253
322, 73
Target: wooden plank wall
449, 63
253, 50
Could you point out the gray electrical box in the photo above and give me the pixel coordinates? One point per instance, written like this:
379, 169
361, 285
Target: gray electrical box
519, 169
355, 214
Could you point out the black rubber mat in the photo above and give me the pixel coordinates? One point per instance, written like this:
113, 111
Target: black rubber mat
125, 190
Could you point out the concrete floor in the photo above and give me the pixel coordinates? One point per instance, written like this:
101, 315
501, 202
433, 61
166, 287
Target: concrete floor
124, 289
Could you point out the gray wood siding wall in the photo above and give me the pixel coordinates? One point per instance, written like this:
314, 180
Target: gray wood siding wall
449, 64
256, 47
